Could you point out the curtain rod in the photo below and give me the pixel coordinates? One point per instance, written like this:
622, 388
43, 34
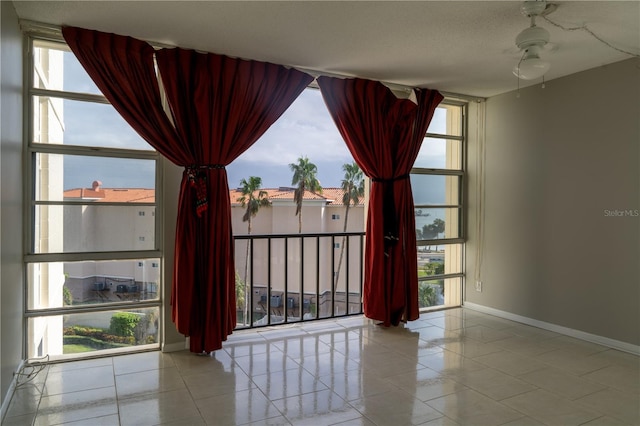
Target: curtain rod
54, 33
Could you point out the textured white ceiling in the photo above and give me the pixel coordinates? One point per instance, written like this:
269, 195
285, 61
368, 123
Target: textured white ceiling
463, 47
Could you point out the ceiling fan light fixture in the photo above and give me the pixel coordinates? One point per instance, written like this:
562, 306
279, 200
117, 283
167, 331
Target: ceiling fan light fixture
531, 67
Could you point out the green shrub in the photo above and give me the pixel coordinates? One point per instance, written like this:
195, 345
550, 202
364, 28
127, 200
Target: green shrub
97, 334
124, 324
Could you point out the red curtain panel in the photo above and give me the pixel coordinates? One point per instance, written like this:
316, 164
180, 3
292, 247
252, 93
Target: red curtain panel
384, 135
220, 106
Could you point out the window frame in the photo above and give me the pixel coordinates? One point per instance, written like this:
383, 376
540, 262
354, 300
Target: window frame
460, 205
30, 151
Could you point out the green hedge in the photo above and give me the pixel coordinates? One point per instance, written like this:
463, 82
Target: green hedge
92, 342
98, 334
124, 324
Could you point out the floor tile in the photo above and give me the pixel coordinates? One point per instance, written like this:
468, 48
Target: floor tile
510, 363
486, 334
381, 366
74, 380
159, 408
425, 384
204, 385
550, 409
356, 384
575, 346
322, 407
469, 407
22, 420
324, 364
110, 420
359, 421
283, 384
74, 406
237, 408
450, 363
625, 379
613, 403
25, 400
567, 361
566, 385
524, 421
149, 382
395, 408
269, 362
144, 361
494, 384
450, 367
471, 348
80, 364
441, 421
526, 346
606, 421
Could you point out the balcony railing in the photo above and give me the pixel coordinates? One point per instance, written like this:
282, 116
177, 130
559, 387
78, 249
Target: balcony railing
288, 278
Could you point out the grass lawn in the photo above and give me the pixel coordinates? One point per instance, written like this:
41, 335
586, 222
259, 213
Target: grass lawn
76, 349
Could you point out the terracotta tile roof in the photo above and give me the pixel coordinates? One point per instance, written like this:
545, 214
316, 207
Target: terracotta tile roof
332, 196
112, 195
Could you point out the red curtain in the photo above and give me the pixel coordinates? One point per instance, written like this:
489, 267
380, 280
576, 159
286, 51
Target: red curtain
384, 135
220, 106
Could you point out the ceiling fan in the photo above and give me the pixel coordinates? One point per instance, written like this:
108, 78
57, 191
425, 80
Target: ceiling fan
532, 41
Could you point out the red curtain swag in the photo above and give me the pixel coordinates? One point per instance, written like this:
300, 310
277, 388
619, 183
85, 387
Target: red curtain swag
220, 106
384, 135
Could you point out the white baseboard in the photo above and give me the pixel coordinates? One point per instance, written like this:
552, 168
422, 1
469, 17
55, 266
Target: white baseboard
12, 387
175, 347
593, 338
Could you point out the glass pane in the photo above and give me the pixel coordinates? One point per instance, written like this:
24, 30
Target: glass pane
78, 228
71, 335
434, 224
57, 68
447, 120
440, 293
70, 122
63, 284
439, 260
94, 179
439, 154
305, 129
435, 190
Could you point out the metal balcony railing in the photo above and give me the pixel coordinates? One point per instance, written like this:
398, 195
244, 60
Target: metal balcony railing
289, 278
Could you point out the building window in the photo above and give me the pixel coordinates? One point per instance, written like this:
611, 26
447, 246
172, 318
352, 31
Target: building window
437, 180
335, 217
87, 173
336, 245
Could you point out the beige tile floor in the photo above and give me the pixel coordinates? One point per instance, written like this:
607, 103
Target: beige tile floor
454, 367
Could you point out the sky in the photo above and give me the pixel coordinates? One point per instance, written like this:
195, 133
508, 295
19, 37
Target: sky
305, 129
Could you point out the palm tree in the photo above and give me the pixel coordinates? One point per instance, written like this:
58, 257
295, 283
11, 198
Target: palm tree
304, 175
353, 187
253, 198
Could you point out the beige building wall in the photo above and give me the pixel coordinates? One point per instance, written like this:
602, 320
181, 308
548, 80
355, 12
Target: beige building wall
560, 162
300, 271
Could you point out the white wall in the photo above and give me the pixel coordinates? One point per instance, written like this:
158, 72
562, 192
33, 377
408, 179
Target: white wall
11, 275
556, 160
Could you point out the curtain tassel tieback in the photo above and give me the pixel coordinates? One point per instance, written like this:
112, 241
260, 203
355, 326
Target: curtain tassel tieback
198, 181
389, 214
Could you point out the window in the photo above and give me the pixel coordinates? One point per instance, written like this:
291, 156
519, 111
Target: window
335, 217
91, 246
437, 182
